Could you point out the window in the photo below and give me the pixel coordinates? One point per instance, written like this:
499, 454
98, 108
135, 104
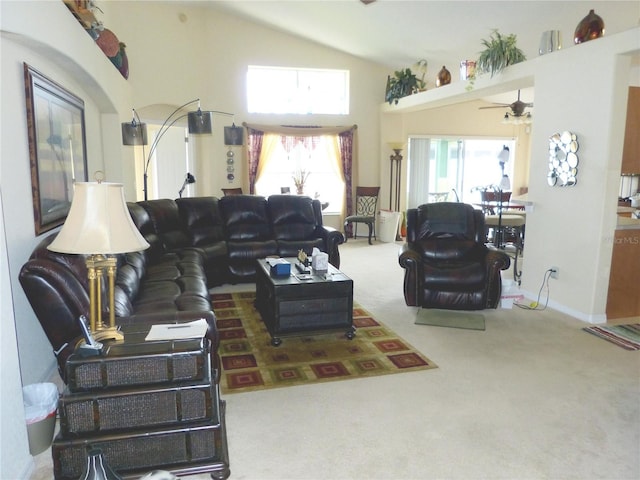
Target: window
317, 157
297, 90
437, 166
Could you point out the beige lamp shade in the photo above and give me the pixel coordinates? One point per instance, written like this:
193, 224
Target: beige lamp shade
396, 145
98, 222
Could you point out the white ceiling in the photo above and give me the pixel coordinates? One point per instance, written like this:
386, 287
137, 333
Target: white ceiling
397, 33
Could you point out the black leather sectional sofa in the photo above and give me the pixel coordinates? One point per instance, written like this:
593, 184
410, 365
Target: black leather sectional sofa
195, 244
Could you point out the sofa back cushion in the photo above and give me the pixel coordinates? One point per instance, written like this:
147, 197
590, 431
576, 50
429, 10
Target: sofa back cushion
292, 217
166, 223
201, 219
246, 218
142, 221
446, 231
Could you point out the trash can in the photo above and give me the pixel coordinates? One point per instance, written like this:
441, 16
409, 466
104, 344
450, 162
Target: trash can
40, 406
388, 225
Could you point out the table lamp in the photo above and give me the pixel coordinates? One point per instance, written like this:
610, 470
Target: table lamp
99, 226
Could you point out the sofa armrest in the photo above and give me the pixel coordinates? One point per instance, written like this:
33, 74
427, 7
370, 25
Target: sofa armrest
332, 238
495, 261
410, 260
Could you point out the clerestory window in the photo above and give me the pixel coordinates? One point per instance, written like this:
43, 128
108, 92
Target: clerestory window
282, 90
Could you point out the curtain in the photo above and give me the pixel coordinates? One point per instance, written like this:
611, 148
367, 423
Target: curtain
419, 151
345, 146
269, 144
345, 143
254, 147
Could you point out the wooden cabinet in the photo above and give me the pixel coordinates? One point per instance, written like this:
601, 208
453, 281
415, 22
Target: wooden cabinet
631, 149
623, 300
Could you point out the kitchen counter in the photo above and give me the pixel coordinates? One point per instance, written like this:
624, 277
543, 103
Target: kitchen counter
625, 222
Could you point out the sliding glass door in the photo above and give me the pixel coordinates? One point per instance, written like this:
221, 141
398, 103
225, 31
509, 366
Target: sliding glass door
456, 168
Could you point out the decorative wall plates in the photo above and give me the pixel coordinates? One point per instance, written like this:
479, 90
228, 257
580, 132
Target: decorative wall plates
563, 159
230, 166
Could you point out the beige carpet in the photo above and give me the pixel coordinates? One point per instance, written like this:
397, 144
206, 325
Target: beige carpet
436, 317
532, 397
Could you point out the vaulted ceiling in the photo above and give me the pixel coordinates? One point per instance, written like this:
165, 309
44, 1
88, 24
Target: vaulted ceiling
397, 33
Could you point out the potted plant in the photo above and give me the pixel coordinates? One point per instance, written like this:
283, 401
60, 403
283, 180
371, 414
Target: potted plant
403, 83
500, 52
421, 68
299, 178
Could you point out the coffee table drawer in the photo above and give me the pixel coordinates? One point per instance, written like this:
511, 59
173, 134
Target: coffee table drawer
307, 306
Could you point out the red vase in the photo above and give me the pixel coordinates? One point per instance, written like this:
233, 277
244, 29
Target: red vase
589, 28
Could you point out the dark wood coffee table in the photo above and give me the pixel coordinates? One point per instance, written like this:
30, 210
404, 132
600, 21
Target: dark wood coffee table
295, 305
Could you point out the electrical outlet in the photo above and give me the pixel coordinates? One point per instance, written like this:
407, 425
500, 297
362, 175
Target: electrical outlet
554, 272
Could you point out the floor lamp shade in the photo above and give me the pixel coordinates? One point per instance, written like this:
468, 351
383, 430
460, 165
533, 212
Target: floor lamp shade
200, 122
233, 135
98, 222
134, 133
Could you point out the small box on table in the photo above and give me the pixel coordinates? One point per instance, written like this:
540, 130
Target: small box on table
279, 267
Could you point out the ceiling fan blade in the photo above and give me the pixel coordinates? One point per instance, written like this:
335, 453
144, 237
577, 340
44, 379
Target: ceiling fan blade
496, 106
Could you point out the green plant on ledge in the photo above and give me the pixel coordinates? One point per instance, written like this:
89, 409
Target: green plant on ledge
403, 83
500, 52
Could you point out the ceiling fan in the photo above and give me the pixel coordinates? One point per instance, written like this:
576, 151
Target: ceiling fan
517, 107
367, 2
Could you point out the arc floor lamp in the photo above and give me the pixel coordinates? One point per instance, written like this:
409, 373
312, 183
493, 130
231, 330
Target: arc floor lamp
135, 132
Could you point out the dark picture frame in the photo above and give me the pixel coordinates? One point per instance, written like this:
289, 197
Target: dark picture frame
57, 147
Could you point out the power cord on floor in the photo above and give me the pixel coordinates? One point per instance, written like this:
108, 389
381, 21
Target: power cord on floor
535, 305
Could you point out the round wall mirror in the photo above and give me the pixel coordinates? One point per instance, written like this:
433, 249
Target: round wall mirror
563, 159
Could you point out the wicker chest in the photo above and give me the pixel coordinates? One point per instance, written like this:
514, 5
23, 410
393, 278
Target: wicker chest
147, 406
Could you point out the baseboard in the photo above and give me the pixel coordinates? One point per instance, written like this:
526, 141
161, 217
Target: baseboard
591, 318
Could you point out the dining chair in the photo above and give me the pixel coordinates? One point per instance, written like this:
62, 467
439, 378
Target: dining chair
366, 204
232, 191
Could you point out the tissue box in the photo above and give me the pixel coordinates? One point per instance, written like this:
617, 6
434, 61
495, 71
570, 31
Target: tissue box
320, 262
279, 268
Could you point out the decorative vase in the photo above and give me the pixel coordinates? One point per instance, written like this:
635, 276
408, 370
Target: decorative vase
589, 28
550, 41
97, 467
444, 77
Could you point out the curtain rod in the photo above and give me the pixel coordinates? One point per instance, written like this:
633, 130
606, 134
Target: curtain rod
301, 131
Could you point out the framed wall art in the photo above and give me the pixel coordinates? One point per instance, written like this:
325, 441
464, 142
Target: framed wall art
57, 148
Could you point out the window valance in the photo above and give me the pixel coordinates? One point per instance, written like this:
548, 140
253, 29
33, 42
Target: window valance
300, 131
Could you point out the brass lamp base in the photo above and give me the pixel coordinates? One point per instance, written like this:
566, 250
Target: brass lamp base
107, 333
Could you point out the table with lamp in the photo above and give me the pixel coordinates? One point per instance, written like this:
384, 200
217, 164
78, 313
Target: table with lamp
146, 404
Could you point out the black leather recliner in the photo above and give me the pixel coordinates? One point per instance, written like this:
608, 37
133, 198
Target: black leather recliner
446, 262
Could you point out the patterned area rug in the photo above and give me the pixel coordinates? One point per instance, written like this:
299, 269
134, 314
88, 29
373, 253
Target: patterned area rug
625, 336
250, 362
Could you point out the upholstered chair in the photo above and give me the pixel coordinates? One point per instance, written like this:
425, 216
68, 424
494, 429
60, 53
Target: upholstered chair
447, 264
